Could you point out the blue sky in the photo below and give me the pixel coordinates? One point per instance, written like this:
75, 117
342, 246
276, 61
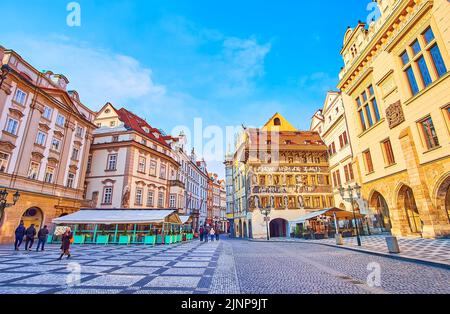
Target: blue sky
228, 62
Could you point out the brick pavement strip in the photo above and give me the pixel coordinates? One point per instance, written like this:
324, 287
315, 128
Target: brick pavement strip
225, 280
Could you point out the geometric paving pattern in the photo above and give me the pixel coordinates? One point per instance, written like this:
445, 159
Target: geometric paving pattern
435, 250
177, 269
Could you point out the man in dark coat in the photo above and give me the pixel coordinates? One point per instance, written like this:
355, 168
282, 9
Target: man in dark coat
29, 237
19, 233
206, 233
201, 234
42, 238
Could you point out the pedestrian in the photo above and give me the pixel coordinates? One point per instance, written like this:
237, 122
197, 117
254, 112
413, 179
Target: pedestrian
29, 237
19, 233
42, 238
218, 235
201, 234
67, 239
206, 234
212, 233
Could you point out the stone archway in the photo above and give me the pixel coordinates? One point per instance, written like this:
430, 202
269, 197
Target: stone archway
278, 228
33, 215
407, 202
382, 219
443, 197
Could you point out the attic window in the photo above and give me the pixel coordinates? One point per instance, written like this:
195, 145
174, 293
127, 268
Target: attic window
107, 111
156, 135
146, 129
277, 122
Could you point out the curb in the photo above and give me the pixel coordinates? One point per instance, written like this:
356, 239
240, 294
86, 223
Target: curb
377, 253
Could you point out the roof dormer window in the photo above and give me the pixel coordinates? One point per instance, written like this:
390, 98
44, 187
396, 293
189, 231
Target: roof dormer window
146, 130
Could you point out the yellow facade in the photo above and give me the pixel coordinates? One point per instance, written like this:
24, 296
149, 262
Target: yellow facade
400, 127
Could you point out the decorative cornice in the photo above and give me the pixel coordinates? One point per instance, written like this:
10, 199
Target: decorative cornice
44, 127
7, 146
108, 181
16, 113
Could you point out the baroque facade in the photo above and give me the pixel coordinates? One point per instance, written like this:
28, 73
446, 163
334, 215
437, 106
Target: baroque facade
280, 168
131, 164
395, 87
46, 133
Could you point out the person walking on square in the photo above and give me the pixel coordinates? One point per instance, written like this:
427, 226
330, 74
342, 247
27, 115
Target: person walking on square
20, 234
66, 242
218, 234
201, 234
212, 233
30, 234
206, 234
42, 238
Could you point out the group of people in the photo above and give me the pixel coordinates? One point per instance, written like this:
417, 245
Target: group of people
30, 233
207, 231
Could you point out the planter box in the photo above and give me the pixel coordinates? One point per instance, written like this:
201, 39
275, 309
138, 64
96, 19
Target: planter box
50, 238
179, 238
150, 240
167, 239
124, 239
79, 239
102, 239
159, 239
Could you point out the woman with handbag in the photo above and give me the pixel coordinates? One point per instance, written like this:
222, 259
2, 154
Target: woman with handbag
67, 240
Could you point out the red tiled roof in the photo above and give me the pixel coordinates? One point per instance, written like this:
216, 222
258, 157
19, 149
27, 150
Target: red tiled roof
137, 124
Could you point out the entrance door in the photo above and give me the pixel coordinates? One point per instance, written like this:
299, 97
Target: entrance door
412, 213
382, 217
278, 228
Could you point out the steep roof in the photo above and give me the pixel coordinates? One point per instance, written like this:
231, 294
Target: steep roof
280, 123
138, 124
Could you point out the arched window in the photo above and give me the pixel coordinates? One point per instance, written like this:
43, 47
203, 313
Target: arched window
277, 122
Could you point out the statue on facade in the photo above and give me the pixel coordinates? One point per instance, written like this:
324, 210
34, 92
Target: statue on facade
126, 197
272, 201
257, 204
301, 202
286, 201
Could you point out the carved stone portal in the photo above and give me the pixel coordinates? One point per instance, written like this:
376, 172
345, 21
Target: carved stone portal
394, 115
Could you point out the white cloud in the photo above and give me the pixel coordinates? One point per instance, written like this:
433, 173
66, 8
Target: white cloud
98, 75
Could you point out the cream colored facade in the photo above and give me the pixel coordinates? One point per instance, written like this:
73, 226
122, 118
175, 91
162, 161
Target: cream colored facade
132, 164
399, 127
45, 137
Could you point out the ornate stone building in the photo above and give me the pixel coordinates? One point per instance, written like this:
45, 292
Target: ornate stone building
283, 169
395, 87
45, 136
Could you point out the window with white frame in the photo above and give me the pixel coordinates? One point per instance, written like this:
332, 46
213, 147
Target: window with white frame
141, 164
161, 199
138, 198
47, 113
79, 131
4, 160
56, 144
75, 153
107, 195
172, 201
162, 172
33, 172
112, 162
89, 164
20, 97
49, 175
12, 126
60, 120
153, 165
70, 180
41, 138
150, 199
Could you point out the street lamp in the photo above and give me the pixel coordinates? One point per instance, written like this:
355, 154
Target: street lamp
266, 212
3, 201
350, 198
4, 73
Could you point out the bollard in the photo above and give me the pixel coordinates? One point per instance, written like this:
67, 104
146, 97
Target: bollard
339, 239
392, 244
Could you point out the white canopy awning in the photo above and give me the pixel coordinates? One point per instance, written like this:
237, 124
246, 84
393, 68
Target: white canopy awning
309, 216
184, 219
111, 217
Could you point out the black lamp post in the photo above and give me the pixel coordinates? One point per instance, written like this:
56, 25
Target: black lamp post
4, 73
350, 198
3, 201
266, 212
